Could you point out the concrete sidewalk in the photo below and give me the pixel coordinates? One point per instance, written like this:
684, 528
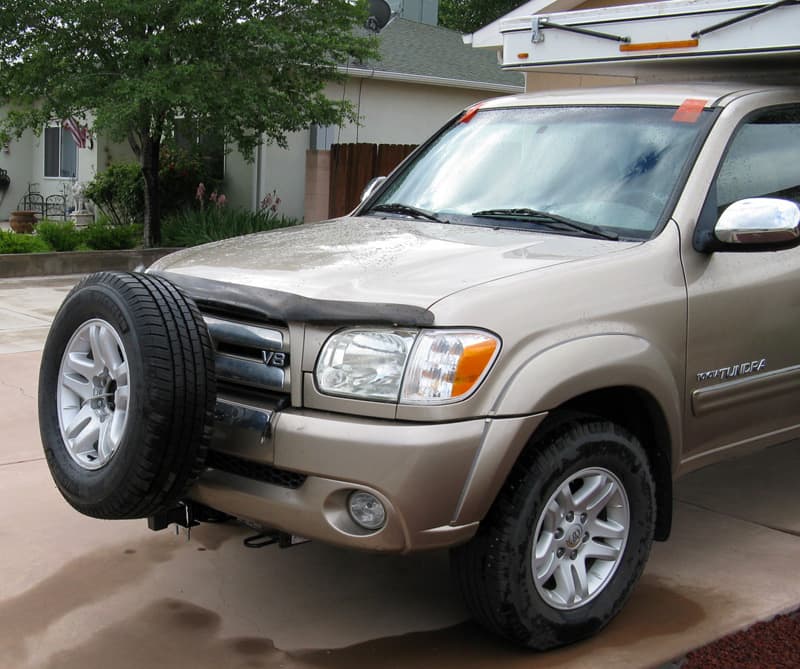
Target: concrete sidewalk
27, 307
82, 593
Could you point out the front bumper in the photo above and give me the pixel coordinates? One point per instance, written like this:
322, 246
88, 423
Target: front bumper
435, 480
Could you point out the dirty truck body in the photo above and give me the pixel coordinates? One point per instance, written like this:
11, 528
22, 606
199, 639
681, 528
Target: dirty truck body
555, 307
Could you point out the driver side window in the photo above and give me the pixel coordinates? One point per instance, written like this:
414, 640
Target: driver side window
762, 160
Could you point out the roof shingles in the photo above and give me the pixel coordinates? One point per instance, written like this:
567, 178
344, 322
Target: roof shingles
418, 49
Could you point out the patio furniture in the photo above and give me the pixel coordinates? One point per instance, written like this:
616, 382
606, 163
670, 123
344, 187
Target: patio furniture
56, 207
33, 201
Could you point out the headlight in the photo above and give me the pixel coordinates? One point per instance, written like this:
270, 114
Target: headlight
419, 367
365, 363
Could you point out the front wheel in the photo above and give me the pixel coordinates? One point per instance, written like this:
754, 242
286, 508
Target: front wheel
567, 538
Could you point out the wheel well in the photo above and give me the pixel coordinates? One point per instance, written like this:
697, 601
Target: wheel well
637, 411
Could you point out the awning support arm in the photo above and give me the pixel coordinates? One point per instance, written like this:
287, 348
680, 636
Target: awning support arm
742, 17
539, 23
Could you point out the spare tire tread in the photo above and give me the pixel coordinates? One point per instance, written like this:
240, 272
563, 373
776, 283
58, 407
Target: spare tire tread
191, 420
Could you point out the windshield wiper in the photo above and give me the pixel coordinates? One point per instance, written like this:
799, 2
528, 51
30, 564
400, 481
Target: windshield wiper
408, 210
547, 219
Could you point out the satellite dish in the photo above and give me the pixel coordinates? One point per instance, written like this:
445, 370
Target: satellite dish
379, 15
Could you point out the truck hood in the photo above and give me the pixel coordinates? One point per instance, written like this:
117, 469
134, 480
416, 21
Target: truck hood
368, 259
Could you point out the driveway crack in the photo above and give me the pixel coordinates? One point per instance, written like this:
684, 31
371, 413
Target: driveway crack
775, 528
21, 390
21, 462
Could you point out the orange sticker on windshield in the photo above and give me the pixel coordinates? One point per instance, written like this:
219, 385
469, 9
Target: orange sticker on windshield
689, 111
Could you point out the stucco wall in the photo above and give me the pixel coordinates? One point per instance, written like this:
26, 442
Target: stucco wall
546, 81
398, 113
239, 181
284, 171
109, 152
17, 160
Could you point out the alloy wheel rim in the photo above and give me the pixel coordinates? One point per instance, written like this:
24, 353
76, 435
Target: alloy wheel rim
580, 538
93, 394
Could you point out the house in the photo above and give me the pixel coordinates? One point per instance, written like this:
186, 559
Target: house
425, 75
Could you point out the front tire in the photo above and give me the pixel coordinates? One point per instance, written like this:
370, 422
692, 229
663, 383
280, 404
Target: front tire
126, 395
567, 538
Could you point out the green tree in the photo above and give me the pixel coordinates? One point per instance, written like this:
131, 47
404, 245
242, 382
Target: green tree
246, 70
467, 16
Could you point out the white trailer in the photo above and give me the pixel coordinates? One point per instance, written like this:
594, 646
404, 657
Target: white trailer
686, 39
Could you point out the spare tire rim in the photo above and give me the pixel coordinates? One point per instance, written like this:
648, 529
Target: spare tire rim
93, 394
580, 538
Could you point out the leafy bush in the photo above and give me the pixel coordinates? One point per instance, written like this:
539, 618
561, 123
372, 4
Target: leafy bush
101, 235
191, 227
12, 242
119, 193
119, 190
59, 236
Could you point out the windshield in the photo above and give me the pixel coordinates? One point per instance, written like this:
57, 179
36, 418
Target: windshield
611, 168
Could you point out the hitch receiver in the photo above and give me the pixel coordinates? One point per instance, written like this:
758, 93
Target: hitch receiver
179, 515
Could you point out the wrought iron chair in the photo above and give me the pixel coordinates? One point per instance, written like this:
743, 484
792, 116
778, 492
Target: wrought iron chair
56, 207
33, 200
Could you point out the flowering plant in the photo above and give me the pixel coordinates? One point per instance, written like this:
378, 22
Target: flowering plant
269, 205
215, 198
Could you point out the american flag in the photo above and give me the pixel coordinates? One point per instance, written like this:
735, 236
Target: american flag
79, 133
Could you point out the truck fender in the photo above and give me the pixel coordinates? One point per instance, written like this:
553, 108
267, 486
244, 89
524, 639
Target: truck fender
548, 380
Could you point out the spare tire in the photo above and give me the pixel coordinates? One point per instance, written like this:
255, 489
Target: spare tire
126, 395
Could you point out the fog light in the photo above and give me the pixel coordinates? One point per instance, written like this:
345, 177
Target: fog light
366, 510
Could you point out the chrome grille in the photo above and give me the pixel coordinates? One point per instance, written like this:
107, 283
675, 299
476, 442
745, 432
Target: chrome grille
255, 356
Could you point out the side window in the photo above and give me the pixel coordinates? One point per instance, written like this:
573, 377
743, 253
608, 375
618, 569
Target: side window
762, 160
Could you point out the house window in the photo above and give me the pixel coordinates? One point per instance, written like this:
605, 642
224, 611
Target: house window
60, 153
210, 148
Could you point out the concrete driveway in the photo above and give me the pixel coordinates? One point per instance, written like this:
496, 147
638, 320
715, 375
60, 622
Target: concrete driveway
82, 593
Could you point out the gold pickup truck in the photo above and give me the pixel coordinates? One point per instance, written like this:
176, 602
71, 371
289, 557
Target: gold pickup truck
556, 306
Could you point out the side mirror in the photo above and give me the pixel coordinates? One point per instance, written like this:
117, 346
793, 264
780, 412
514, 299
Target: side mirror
371, 187
760, 222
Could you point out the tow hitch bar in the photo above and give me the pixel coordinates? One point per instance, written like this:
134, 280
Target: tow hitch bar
191, 514
185, 514
182, 515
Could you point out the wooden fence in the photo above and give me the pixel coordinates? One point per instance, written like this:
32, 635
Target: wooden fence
354, 165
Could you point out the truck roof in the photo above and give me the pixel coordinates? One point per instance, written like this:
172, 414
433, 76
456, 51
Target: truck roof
663, 94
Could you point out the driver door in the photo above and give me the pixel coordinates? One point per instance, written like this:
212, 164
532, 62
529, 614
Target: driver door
743, 348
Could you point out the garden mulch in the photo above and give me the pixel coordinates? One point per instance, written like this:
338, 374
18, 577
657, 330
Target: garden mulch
770, 644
